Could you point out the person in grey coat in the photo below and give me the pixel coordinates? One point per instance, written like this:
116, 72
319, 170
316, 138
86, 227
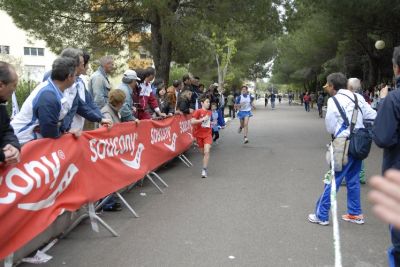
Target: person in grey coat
99, 85
129, 83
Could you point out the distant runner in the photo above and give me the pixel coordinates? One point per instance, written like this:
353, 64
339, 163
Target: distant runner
244, 103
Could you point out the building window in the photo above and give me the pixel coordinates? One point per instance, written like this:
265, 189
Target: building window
33, 51
4, 49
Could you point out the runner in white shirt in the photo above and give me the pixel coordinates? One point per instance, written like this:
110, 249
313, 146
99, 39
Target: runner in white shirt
244, 103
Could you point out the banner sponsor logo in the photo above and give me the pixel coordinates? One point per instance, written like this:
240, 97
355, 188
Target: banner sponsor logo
185, 126
160, 135
120, 145
172, 146
23, 181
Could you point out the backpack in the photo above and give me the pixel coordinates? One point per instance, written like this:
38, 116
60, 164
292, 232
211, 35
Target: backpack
360, 139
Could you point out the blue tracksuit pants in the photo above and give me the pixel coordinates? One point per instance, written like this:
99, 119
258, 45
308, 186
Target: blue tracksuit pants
351, 172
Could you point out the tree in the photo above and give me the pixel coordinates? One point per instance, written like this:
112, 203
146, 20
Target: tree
224, 49
351, 30
104, 26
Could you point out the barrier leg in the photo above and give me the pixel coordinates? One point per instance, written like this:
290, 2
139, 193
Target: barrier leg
159, 178
183, 155
8, 262
94, 218
127, 205
154, 183
105, 225
184, 161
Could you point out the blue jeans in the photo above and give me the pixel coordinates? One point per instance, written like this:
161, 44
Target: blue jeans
307, 106
272, 104
110, 202
394, 252
352, 174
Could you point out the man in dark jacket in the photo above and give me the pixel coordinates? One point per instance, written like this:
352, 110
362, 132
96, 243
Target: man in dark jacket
9, 145
386, 132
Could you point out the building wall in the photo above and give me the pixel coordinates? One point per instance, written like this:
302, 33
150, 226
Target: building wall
32, 66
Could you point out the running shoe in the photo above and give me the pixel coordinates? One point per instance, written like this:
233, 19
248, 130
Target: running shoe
314, 219
240, 130
358, 219
246, 140
204, 173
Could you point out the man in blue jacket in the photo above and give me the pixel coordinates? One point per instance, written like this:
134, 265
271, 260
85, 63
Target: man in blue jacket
81, 104
386, 132
43, 111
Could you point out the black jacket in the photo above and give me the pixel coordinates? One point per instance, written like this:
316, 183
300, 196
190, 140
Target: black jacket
7, 135
184, 105
165, 106
387, 129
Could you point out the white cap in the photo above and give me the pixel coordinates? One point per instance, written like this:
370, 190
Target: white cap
215, 84
131, 74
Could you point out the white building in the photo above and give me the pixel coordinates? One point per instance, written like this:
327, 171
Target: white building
33, 55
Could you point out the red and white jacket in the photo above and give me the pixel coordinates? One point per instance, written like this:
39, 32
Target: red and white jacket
146, 102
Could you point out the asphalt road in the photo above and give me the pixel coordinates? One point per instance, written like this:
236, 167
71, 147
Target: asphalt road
251, 211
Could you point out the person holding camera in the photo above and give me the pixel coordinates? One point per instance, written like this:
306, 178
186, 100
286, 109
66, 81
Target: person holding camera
386, 135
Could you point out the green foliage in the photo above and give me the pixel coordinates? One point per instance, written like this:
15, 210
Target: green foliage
181, 30
24, 88
327, 36
177, 72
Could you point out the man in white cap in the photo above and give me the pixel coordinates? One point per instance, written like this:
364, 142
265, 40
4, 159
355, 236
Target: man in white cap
128, 85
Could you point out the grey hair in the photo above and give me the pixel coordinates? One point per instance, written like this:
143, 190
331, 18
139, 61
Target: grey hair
354, 85
6, 76
106, 59
72, 53
337, 80
62, 68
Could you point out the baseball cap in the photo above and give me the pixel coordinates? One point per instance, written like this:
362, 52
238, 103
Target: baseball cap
215, 84
131, 74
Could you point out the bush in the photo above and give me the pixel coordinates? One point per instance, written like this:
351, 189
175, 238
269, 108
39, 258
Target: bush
24, 89
177, 72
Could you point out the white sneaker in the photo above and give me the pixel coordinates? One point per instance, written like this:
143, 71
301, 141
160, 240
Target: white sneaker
314, 219
245, 141
204, 173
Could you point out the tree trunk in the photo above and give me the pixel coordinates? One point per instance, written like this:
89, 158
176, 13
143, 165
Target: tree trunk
162, 49
373, 69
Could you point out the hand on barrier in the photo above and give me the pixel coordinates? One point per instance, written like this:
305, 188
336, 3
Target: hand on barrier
162, 115
106, 123
137, 122
386, 197
11, 154
75, 132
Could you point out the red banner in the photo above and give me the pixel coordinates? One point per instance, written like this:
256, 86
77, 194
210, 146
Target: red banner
55, 175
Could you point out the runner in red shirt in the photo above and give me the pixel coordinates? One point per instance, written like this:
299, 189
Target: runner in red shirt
201, 118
